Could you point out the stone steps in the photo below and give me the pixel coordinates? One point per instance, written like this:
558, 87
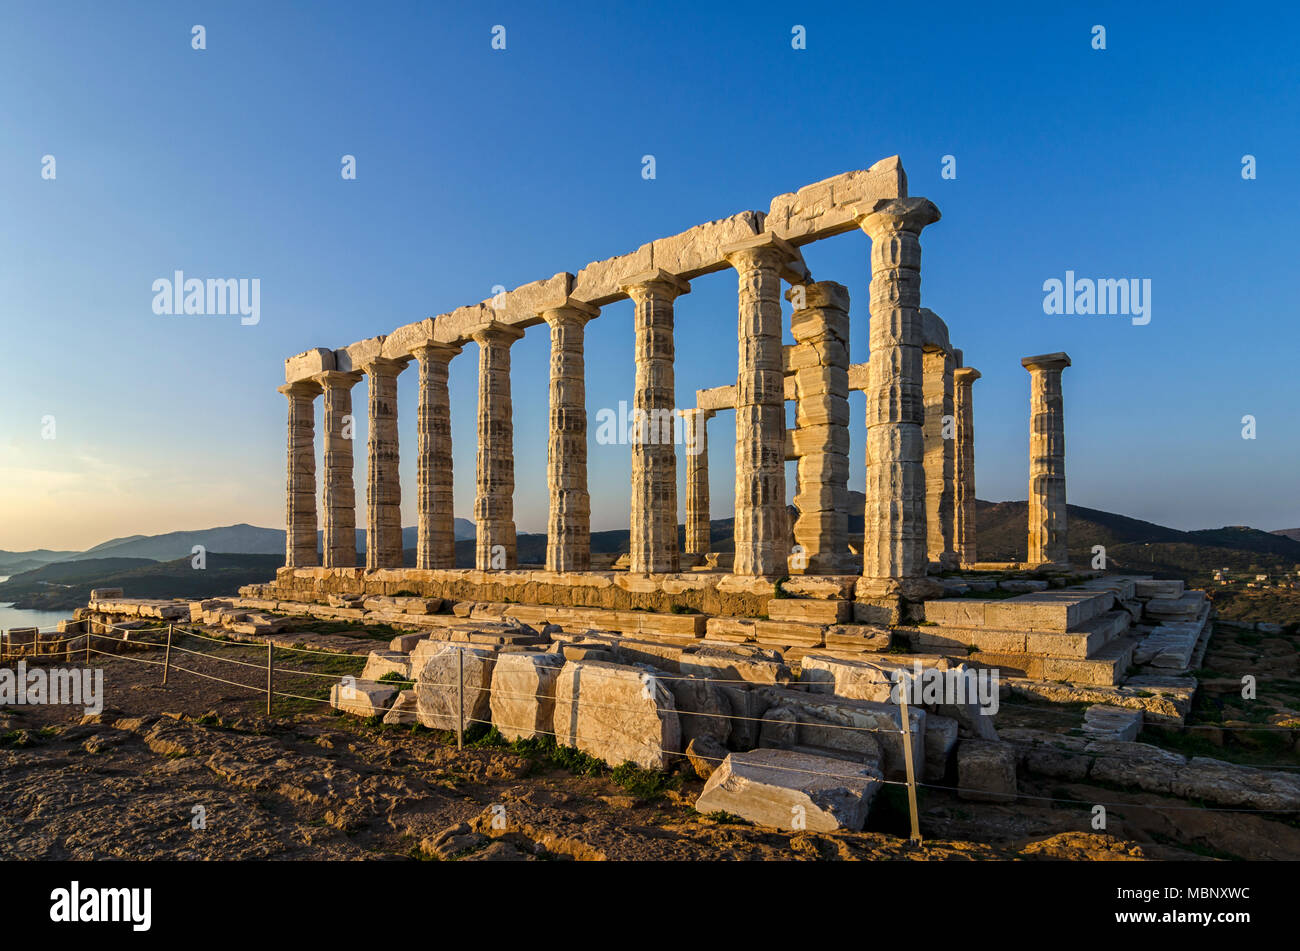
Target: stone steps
1060, 611
679, 627
1107, 668
1084, 641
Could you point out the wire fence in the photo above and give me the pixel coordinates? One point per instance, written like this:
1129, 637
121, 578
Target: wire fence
165, 638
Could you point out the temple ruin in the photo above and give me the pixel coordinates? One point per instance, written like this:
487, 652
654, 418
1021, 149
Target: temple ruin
919, 518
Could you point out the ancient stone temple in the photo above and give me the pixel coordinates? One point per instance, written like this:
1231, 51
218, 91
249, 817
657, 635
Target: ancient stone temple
920, 485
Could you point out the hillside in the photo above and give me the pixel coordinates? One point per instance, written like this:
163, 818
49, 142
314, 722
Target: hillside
139, 578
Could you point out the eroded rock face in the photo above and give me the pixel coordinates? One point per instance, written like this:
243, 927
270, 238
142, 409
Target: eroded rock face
436, 687
789, 790
523, 694
616, 713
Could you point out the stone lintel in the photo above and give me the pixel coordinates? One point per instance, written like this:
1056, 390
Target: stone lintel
1046, 361
835, 205
307, 364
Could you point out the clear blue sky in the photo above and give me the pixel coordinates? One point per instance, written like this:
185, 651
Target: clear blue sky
479, 167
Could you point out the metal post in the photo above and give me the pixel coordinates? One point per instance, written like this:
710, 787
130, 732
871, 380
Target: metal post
460, 699
270, 672
903, 685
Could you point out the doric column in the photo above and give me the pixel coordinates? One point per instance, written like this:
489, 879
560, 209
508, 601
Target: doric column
1047, 529
383, 483
568, 525
300, 502
895, 538
940, 432
820, 327
435, 520
653, 543
494, 504
762, 523
964, 466
340, 496
697, 479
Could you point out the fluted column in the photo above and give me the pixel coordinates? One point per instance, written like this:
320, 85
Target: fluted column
339, 493
494, 504
964, 466
821, 382
1047, 520
895, 537
300, 501
383, 482
653, 542
435, 545
940, 431
568, 525
762, 522
697, 480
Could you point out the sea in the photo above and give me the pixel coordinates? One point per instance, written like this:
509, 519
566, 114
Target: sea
11, 617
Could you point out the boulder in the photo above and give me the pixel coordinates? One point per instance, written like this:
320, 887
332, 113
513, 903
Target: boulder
523, 694
986, 771
436, 686
787, 790
616, 713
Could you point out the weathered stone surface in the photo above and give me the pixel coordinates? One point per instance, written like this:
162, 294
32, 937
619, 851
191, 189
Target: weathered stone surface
616, 713
1115, 723
986, 771
1047, 513
941, 735
705, 755
360, 698
404, 710
810, 610
788, 790
436, 687
380, 663
523, 694
702, 708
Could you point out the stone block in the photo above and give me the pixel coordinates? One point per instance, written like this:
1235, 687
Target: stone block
616, 713
436, 687
986, 771
523, 694
782, 789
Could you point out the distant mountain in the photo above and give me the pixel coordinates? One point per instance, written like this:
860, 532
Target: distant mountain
243, 539
12, 562
1292, 533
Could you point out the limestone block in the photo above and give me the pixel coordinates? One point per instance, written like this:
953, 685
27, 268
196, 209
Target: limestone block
986, 771
858, 637
738, 629
523, 694
105, 594
1115, 723
360, 698
789, 634
724, 665
705, 756
1147, 588
305, 365
616, 713
436, 686
404, 711
787, 790
810, 610
834, 205
387, 662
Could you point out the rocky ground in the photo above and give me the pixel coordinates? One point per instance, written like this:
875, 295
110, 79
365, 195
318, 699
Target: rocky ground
304, 783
